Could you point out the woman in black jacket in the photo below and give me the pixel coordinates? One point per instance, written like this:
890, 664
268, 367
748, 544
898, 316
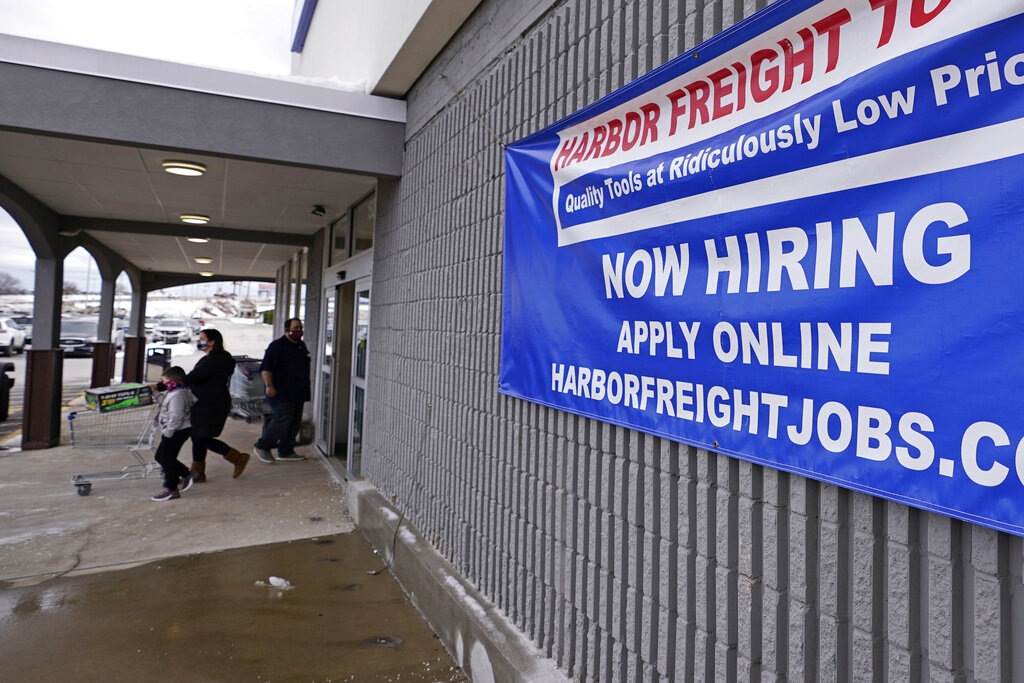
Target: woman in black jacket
209, 382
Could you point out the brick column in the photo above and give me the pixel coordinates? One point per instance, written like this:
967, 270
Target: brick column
44, 374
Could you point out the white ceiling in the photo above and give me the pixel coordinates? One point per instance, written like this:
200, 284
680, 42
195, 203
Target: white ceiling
126, 183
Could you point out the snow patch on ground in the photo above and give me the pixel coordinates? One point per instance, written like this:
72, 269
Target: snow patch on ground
467, 600
35, 534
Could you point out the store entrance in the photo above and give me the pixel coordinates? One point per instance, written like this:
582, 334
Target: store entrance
343, 373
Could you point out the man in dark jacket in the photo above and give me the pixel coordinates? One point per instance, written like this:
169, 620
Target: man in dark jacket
285, 371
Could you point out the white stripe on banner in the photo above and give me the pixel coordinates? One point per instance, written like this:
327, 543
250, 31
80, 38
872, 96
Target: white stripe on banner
960, 150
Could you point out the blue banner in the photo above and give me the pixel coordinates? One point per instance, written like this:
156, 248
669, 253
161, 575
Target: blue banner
799, 244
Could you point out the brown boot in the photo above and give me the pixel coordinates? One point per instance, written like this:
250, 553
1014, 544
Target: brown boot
200, 469
239, 460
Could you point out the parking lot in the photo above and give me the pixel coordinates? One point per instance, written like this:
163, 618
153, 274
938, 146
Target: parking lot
240, 338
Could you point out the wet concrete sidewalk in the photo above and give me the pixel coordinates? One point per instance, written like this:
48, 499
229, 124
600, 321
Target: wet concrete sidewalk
115, 586
216, 617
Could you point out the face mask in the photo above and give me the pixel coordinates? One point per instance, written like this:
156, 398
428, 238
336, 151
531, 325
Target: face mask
202, 345
172, 384
295, 334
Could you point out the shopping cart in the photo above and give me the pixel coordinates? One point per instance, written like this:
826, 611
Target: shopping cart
131, 428
249, 409
247, 390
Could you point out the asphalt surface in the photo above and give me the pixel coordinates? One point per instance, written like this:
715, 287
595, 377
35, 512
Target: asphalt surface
77, 375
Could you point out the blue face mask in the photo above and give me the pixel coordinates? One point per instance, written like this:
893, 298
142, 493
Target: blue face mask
202, 345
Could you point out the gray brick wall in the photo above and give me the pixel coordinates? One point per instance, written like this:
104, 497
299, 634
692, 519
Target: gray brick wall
621, 555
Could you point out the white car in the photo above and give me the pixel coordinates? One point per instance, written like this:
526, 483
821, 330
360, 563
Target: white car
172, 331
12, 337
25, 323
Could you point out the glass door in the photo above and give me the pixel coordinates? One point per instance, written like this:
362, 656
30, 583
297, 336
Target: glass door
360, 360
325, 384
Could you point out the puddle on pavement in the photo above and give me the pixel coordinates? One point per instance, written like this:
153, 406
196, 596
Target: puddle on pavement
218, 617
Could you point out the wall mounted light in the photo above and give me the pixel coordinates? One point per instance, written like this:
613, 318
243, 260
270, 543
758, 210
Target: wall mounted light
318, 210
206, 273
185, 168
198, 240
194, 218
203, 260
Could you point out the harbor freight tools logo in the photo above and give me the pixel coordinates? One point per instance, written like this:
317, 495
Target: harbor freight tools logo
797, 244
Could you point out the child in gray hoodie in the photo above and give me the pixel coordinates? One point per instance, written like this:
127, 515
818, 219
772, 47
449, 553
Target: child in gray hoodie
175, 429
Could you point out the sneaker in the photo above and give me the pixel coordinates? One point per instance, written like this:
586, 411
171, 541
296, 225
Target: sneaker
290, 457
263, 454
186, 482
166, 494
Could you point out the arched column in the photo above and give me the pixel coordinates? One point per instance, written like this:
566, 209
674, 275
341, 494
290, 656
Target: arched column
133, 366
104, 353
110, 265
44, 368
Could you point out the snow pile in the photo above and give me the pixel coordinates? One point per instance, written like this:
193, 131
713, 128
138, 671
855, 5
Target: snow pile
184, 307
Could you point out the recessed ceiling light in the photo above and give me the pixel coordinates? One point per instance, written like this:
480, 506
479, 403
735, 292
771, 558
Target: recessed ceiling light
203, 260
194, 218
206, 273
186, 168
198, 240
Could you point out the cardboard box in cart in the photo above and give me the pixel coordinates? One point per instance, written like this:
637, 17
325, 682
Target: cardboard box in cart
117, 396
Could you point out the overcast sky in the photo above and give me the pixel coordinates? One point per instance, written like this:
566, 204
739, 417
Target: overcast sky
241, 35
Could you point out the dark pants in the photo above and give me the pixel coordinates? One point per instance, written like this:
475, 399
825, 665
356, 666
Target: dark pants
201, 444
167, 456
282, 428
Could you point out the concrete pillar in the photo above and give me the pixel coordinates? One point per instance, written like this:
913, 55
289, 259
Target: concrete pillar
284, 310
134, 362
313, 307
106, 309
278, 293
40, 425
49, 288
134, 367
104, 354
44, 369
289, 274
298, 258
137, 318
314, 293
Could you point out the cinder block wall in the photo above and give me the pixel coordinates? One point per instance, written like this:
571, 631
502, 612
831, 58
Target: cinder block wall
624, 556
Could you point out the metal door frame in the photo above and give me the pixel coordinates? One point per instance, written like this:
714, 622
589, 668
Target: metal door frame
354, 458
352, 271
325, 371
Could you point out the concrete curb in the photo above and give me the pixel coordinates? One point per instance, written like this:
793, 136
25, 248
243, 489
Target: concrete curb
477, 635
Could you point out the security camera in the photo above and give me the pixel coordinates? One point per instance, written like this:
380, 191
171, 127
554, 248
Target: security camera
319, 210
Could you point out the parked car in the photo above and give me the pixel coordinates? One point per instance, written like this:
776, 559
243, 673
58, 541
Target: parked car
12, 337
78, 336
151, 323
172, 331
195, 324
25, 323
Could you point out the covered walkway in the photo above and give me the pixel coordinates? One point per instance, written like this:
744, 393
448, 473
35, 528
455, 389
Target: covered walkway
137, 589
91, 147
